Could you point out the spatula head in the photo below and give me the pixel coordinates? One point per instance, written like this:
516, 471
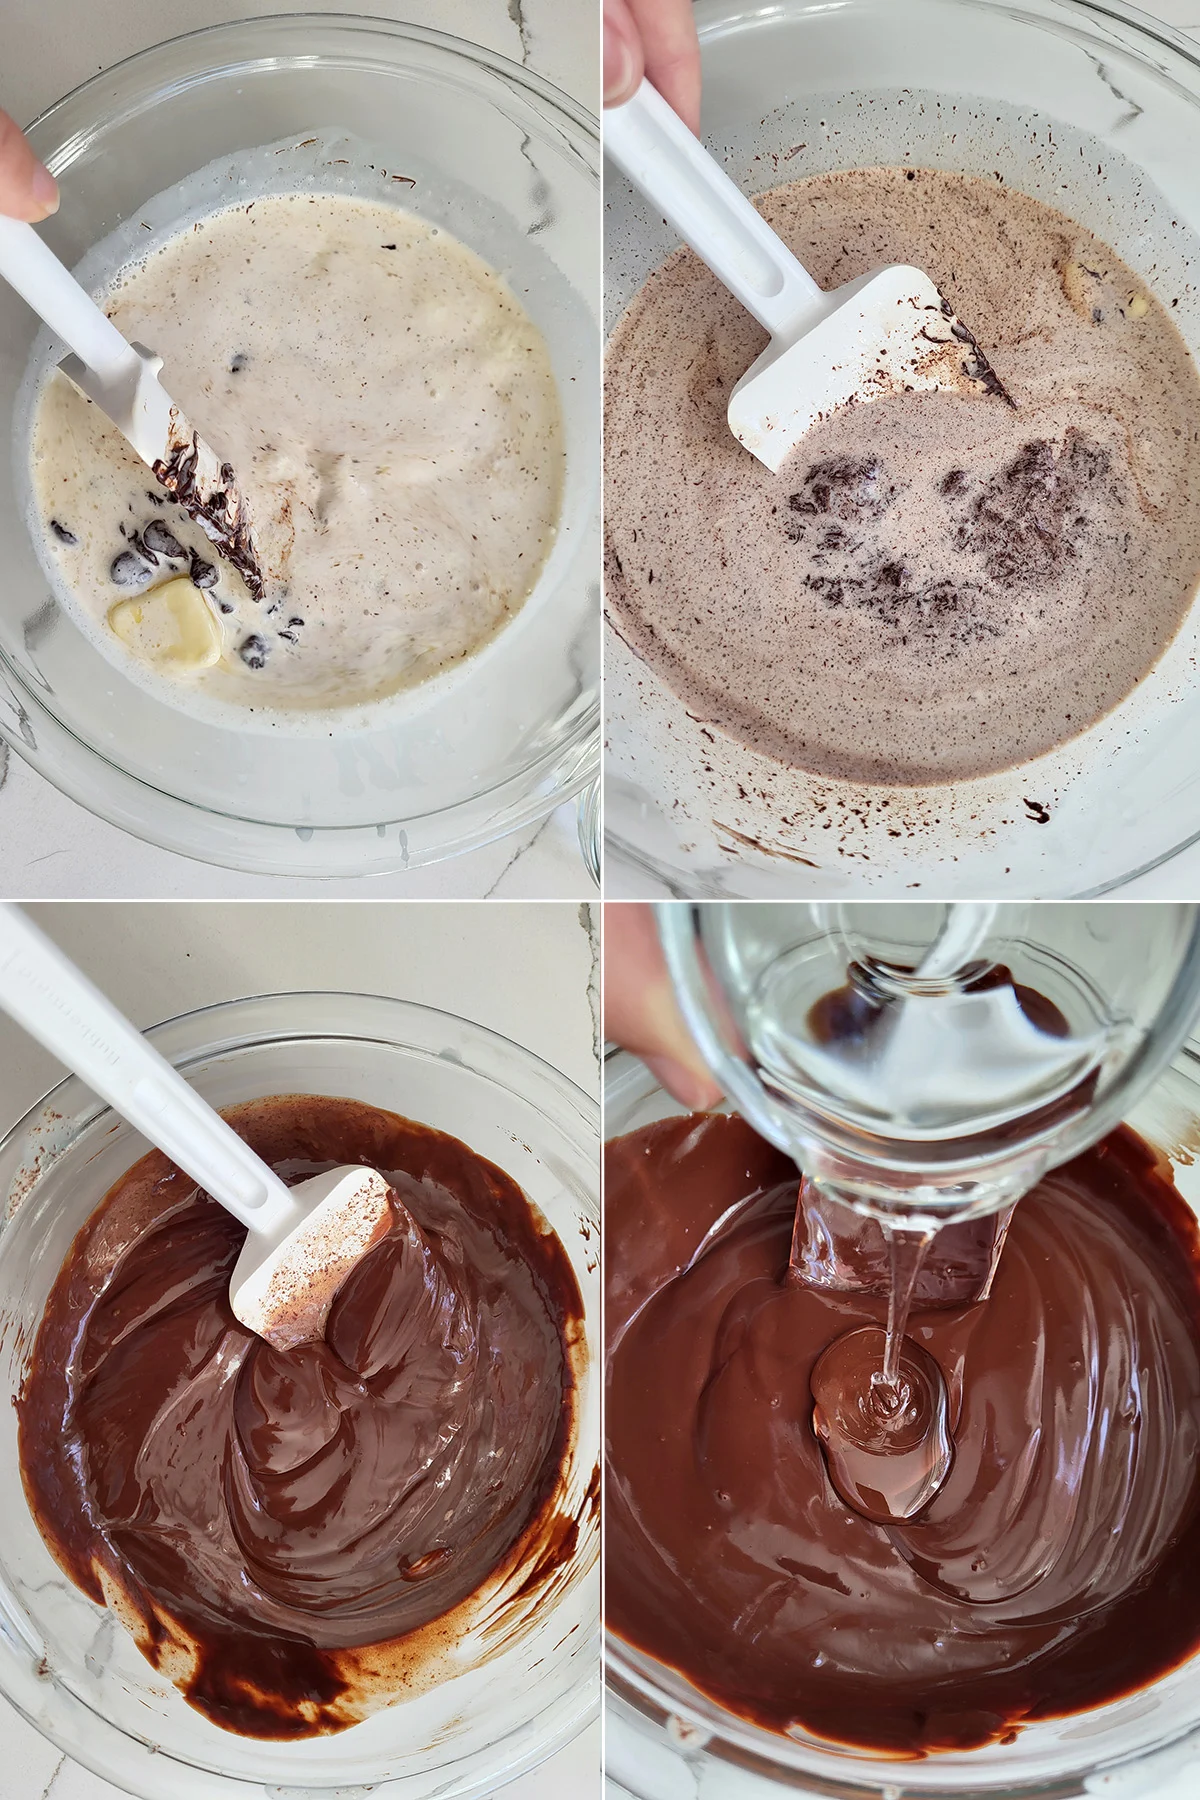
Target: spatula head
283, 1286
188, 467
888, 333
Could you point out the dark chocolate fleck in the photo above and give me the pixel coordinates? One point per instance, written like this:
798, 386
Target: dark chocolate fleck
846, 489
253, 651
62, 534
1032, 516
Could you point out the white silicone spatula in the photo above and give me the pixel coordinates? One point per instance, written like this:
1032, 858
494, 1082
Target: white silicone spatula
122, 380
887, 333
301, 1241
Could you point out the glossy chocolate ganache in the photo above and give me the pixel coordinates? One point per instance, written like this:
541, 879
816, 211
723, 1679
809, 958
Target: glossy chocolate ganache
297, 1537
1055, 1569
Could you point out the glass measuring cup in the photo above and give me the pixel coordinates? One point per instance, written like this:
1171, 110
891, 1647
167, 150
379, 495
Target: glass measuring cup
925, 1066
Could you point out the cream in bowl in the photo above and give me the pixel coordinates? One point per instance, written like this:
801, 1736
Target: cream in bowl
392, 416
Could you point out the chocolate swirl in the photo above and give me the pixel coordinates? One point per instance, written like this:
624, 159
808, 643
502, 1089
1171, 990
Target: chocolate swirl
1055, 1570
260, 1512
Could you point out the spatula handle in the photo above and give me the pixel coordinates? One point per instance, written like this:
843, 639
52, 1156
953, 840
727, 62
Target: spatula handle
44, 992
651, 145
31, 267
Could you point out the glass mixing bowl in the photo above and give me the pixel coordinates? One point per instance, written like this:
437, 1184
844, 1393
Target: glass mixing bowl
665, 1740
511, 167
798, 87
65, 1662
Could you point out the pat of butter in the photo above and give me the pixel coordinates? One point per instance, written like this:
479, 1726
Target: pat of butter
171, 625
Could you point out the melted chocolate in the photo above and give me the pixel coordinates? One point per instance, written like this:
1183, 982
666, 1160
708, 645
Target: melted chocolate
256, 1517
1055, 1569
220, 512
852, 1013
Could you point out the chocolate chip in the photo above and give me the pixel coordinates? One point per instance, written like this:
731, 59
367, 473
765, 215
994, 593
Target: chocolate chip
158, 537
294, 622
389, 246
239, 362
62, 534
129, 569
136, 542
204, 574
253, 651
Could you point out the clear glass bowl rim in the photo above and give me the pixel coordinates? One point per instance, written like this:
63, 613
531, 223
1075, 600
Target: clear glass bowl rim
562, 1099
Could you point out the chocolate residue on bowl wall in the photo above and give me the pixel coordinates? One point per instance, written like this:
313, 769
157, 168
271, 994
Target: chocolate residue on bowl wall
298, 1538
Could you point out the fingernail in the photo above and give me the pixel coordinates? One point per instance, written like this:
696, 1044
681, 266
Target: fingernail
696, 1092
45, 190
618, 64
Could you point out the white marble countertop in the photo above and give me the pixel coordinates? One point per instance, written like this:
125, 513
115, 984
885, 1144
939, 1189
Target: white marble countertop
49, 845
527, 971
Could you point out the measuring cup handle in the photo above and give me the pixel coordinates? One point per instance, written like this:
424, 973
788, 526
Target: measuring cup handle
45, 993
651, 145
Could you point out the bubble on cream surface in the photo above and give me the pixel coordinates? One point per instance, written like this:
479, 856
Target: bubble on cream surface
391, 412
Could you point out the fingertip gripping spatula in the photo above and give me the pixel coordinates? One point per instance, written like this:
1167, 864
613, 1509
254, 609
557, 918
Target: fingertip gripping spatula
886, 333
301, 1241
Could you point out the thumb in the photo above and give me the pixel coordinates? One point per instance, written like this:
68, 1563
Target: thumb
640, 1011
27, 189
623, 61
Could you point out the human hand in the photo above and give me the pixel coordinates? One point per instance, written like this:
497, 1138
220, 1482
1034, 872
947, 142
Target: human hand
655, 38
640, 1012
27, 189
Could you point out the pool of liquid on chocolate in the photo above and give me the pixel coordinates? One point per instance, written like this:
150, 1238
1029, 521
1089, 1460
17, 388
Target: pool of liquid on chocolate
1054, 1568
296, 1538
880, 1404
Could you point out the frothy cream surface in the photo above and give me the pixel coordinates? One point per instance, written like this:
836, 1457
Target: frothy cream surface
931, 588
392, 416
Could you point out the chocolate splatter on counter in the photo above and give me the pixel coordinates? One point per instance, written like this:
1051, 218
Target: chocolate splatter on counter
298, 1538
931, 588
392, 417
1055, 1568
